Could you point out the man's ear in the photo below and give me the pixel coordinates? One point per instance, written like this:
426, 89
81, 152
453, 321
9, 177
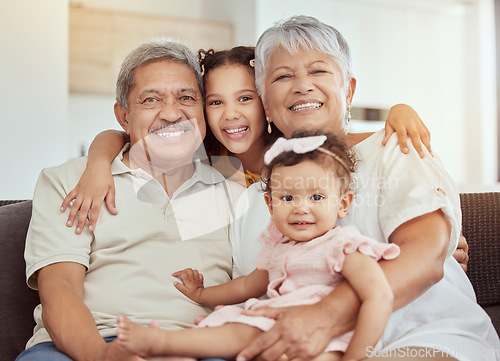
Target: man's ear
269, 202
345, 203
121, 116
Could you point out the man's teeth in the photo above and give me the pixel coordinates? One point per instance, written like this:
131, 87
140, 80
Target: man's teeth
170, 134
305, 106
235, 131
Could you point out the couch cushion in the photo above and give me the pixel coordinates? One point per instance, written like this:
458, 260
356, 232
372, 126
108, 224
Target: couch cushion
17, 301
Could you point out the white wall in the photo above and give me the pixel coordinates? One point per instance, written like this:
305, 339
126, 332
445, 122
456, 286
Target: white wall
437, 56
33, 92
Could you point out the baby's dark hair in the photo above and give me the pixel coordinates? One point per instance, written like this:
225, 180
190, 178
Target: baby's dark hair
210, 60
343, 166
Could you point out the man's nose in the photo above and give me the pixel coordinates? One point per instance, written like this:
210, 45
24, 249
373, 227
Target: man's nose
170, 112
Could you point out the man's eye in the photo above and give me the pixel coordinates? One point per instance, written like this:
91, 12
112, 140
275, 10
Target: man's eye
287, 198
317, 197
151, 100
187, 98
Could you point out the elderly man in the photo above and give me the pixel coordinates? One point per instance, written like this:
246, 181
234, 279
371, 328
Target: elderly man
174, 213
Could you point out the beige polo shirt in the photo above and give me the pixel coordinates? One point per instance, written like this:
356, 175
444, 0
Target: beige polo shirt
130, 256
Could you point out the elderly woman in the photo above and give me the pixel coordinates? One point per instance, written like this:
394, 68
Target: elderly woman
303, 74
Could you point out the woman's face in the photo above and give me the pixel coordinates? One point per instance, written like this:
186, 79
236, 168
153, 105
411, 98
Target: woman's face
233, 108
306, 91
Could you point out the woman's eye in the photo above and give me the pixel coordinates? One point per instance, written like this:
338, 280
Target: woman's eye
150, 100
187, 98
317, 197
283, 77
287, 198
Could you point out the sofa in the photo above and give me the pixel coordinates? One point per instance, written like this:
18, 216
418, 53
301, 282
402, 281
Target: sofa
481, 227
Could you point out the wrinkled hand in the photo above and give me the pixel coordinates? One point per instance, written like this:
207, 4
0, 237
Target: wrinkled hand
405, 122
192, 283
95, 185
301, 332
461, 254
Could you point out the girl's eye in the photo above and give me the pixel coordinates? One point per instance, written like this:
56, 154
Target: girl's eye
245, 98
287, 198
317, 197
215, 102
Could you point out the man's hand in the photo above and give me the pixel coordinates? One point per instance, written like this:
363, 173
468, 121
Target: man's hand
192, 283
300, 332
112, 351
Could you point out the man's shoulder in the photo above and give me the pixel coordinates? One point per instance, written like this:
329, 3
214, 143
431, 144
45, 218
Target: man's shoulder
67, 172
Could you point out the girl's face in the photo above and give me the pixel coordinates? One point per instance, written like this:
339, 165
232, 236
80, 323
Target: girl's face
306, 91
306, 200
233, 108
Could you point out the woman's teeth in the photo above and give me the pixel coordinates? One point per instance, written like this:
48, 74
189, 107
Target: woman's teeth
302, 106
236, 131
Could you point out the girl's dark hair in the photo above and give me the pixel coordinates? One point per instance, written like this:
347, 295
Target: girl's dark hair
210, 60
333, 143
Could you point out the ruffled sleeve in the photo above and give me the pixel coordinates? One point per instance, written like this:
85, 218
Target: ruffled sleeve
347, 240
268, 239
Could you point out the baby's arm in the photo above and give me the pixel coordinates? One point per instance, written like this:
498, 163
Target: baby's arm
235, 291
405, 122
96, 183
372, 287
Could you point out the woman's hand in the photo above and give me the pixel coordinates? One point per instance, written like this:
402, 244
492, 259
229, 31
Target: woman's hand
300, 333
95, 186
405, 122
461, 254
192, 283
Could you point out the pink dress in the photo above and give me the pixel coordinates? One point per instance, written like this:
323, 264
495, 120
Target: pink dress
302, 273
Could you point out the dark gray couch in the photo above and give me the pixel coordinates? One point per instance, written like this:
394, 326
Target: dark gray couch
481, 224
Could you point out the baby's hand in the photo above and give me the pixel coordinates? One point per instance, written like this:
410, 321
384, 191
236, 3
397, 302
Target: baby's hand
192, 283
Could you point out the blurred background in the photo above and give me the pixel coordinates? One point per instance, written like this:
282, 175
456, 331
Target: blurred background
59, 60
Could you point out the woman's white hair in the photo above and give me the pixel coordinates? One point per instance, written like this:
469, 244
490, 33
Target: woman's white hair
159, 49
296, 32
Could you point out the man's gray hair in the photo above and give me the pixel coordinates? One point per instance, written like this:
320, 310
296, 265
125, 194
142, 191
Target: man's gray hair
156, 50
296, 32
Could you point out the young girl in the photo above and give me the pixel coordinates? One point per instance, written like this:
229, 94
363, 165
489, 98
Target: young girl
237, 136
304, 257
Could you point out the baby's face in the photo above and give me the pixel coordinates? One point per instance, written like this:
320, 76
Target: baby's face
306, 200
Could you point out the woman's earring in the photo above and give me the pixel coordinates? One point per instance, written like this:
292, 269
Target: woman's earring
269, 129
348, 113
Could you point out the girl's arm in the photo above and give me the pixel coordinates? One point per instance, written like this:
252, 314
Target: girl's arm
405, 122
235, 291
96, 183
370, 284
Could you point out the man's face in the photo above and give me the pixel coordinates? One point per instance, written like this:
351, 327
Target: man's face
165, 112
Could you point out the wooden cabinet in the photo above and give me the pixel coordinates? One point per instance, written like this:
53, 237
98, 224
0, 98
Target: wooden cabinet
99, 40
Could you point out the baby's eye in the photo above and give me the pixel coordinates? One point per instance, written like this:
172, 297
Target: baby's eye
287, 198
317, 197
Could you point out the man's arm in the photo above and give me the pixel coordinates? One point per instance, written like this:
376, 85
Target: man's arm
303, 332
68, 320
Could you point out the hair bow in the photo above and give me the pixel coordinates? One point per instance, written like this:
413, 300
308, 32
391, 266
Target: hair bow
296, 145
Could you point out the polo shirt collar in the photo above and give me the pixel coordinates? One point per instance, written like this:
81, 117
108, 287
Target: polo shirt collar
202, 172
